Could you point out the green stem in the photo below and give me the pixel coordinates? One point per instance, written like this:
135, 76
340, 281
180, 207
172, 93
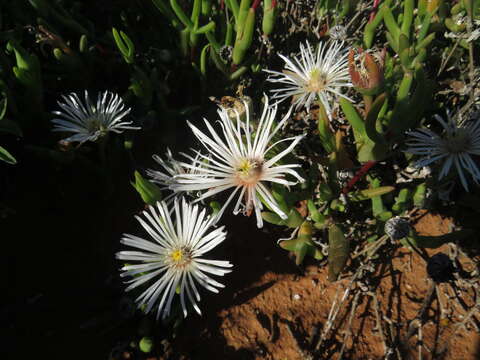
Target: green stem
368, 100
326, 136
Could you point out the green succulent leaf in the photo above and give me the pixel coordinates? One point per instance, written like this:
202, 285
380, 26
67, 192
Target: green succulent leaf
354, 119
125, 45
294, 219
303, 244
272, 218
372, 118
6, 156
338, 251
370, 193
325, 192
149, 192
316, 215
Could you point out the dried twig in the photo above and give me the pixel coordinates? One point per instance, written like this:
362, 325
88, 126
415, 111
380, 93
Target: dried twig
440, 302
420, 342
379, 322
457, 327
372, 247
335, 309
418, 320
348, 331
444, 62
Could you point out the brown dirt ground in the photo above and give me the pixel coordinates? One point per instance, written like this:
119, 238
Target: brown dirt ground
272, 309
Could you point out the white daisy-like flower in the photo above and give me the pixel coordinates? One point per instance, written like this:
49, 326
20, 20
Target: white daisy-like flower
171, 260
309, 77
171, 168
455, 147
238, 160
89, 121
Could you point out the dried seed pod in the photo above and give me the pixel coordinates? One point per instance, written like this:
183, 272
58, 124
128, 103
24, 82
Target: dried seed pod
397, 228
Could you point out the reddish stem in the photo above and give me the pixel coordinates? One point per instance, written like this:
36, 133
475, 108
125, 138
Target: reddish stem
363, 170
103, 51
375, 6
255, 4
222, 5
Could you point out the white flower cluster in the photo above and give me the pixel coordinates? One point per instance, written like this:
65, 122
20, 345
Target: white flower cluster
240, 156
243, 158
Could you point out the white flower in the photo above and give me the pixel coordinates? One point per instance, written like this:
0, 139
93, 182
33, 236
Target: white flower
90, 121
238, 161
172, 258
309, 77
172, 168
454, 147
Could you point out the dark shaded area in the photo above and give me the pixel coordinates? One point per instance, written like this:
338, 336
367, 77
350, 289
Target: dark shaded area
62, 288
62, 213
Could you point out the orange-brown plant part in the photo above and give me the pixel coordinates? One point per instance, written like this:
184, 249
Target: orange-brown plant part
366, 70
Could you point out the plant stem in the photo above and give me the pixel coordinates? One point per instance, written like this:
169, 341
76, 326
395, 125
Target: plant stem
368, 100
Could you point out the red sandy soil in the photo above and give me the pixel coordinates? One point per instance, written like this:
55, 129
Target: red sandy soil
271, 309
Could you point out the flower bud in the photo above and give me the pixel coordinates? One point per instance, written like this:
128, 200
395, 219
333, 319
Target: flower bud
366, 70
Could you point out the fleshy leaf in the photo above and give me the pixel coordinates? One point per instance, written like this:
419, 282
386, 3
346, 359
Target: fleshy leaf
272, 218
149, 192
338, 251
370, 193
6, 156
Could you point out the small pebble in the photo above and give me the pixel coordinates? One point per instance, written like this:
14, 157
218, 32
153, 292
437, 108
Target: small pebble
296, 297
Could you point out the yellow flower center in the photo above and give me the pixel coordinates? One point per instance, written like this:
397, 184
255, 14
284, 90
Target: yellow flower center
249, 171
180, 258
317, 81
177, 255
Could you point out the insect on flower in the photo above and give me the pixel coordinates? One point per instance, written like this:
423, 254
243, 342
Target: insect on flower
238, 159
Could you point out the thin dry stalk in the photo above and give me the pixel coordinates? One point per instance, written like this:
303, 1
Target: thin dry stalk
372, 247
418, 320
348, 331
335, 309
420, 342
393, 336
458, 326
379, 322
